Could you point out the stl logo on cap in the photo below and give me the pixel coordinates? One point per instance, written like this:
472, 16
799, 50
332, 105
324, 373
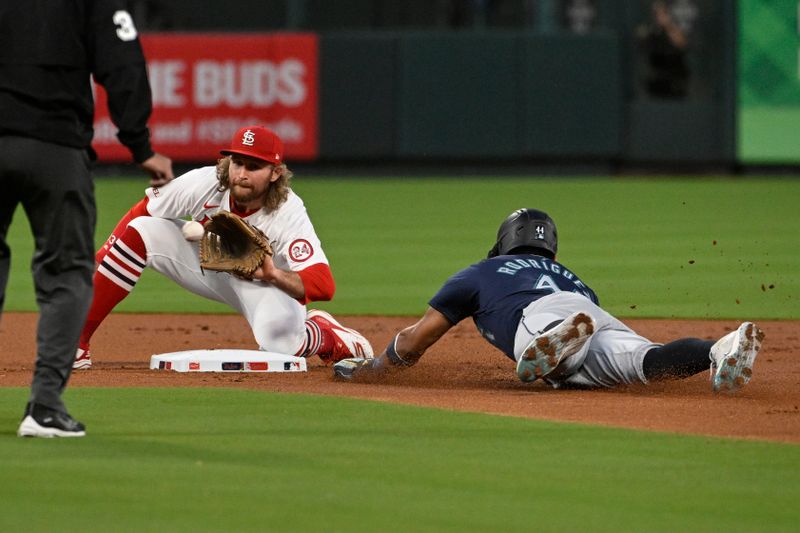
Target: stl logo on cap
248, 138
257, 142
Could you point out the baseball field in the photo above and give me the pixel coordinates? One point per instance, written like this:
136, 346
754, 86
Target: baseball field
456, 443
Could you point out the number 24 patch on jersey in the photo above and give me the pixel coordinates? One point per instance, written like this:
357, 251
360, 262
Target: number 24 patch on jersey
300, 250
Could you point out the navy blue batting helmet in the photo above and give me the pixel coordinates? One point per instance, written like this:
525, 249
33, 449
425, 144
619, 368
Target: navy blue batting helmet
526, 228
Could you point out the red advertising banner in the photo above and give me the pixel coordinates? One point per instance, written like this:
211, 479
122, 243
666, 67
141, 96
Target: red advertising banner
206, 86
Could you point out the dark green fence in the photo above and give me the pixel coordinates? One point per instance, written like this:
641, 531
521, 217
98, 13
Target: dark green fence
515, 80
468, 96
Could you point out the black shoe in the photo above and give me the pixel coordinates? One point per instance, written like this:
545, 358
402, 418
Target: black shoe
41, 421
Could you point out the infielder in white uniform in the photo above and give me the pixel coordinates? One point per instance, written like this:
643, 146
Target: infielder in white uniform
252, 181
544, 318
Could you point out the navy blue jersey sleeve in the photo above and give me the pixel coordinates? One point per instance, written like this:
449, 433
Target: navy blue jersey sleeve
459, 296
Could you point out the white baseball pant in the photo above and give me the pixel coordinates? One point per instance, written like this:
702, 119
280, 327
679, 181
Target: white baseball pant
276, 319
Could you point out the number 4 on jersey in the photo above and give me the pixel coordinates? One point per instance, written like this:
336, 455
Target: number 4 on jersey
546, 283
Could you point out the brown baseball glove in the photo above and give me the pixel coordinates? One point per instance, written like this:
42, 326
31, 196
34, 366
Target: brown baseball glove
230, 244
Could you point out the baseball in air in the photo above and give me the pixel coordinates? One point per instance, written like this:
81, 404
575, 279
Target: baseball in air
192, 231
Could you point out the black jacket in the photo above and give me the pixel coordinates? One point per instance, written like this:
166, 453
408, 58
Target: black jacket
49, 49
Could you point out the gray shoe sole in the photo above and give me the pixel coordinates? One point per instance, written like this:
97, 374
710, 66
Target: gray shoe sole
736, 369
548, 350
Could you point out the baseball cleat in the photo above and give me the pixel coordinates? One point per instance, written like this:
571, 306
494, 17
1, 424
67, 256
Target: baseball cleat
732, 358
347, 343
41, 421
546, 351
83, 360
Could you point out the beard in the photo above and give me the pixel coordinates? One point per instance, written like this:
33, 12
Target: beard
245, 194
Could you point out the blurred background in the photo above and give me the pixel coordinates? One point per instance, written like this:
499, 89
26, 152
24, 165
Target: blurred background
606, 86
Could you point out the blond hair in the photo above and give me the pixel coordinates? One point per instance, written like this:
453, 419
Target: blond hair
277, 192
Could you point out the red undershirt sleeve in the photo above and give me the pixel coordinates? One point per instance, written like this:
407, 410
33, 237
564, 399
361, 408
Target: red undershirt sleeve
138, 210
318, 283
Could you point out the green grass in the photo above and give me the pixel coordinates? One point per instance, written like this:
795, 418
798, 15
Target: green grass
229, 460
650, 247
232, 460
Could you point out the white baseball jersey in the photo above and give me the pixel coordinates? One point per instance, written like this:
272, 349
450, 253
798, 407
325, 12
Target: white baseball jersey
275, 317
289, 229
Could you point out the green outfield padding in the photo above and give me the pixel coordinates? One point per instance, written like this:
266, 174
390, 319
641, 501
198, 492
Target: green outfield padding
769, 135
685, 247
232, 460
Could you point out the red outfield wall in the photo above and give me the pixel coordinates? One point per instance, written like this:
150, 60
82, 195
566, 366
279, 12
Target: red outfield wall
205, 86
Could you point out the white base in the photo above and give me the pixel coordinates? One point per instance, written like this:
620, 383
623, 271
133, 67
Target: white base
227, 361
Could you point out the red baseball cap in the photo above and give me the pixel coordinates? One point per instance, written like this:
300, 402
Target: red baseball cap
258, 142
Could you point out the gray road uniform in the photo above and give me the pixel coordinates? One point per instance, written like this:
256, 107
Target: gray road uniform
514, 298
541, 315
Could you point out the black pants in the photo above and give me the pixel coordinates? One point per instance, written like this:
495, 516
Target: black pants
54, 185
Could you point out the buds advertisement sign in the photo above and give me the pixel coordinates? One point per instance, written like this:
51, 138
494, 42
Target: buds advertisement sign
206, 86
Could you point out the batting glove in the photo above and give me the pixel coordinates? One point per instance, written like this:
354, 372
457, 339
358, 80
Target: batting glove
346, 368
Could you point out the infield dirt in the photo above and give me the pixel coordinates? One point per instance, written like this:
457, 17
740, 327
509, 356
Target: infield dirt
461, 372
